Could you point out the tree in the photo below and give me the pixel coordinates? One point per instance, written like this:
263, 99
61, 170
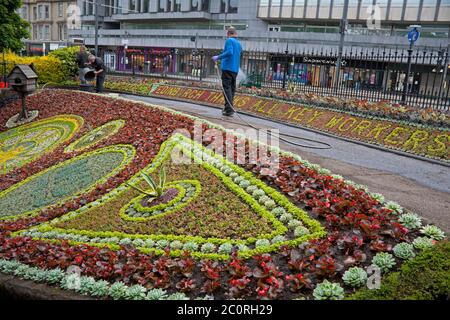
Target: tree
13, 28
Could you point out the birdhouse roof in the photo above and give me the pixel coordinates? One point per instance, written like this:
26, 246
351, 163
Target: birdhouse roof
25, 70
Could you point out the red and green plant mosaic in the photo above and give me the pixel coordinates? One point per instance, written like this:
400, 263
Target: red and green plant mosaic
231, 231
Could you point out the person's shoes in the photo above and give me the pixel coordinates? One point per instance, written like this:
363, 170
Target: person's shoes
227, 113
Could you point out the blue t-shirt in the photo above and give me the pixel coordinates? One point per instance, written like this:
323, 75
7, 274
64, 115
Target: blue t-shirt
231, 55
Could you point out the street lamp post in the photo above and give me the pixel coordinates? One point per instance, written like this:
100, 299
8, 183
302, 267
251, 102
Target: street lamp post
341, 43
96, 27
286, 66
413, 36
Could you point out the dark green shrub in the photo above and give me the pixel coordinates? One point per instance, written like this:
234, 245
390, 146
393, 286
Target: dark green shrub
426, 277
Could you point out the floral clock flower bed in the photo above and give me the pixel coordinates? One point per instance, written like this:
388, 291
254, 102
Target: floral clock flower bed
219, 230
431, 142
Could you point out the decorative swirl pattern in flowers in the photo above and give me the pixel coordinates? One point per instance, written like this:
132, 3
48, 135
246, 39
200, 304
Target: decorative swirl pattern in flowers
21, 145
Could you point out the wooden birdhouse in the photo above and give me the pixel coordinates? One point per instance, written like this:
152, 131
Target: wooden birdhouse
23, 78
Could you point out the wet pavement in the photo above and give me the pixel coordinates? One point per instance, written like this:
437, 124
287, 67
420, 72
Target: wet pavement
418, 185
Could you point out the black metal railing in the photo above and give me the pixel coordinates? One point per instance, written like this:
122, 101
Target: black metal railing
372, 74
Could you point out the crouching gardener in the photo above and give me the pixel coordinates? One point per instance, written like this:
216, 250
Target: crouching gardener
231, 60
100, 72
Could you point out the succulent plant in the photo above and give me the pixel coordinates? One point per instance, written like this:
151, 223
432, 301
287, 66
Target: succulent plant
208, 248
149, 243
136, 292
263, 199
118, 291
250, 189
270, 204
278, 211
300, 231
233, 175
433, 232
176, 245
244, 184
328, 291
242, 247
410, 220
422, 243
238, 180
394, 206
286, 217
355, 277
294, 223
156, 294
278, 239
383, 260
190, 246
99, 288
377, 196
177, 296
404, 251
162, 244
125, 242
139, 242
225, 248
262, 243
258, 194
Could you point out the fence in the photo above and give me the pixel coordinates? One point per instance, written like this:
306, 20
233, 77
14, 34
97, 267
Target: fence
373, 74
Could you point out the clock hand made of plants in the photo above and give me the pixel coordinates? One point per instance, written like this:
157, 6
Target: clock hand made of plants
206, 206
21, 145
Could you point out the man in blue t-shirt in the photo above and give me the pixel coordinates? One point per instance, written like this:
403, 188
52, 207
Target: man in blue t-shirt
231, 60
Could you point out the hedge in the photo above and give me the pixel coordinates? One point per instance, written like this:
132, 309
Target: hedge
48, 68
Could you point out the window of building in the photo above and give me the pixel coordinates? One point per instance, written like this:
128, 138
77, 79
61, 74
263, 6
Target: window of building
34, 13
60, 9
194, 5
146, 5
324, 9
47, 32
177, 6
395, 12
206, 5
223, 6
233, 6
35, 32
299, 8
286, 10
428, 10
47, 12
62, 31
311, 9
169, 5
162, 6
40, 12
275, 8
444, 11
132, 6
412, 10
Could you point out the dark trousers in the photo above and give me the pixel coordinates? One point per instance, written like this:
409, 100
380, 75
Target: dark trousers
229, 88
99, 84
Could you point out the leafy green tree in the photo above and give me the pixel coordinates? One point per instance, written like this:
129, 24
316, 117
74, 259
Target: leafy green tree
12, 28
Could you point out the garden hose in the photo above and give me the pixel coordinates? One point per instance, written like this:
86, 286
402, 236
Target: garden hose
327, 146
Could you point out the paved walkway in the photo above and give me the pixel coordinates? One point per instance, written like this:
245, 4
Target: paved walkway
417, 185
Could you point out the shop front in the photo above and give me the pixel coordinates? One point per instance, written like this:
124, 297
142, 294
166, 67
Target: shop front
146, 60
